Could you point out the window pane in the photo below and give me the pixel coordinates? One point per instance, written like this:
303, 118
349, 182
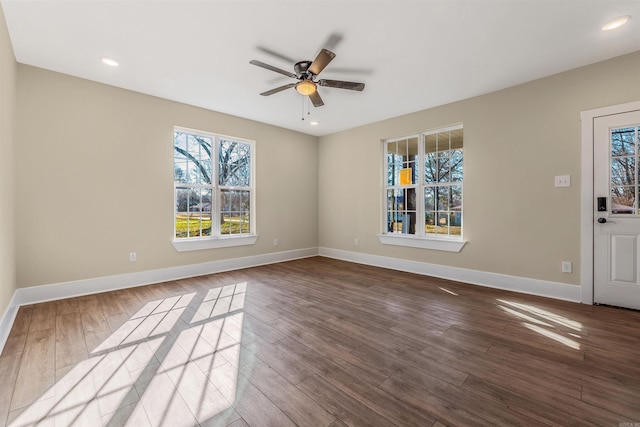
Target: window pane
455, 198
443, 167
431, 168
455, 223
394, 168
430, 144
430, 222
443, 141
622, 142
623, 171
391, 205
456, 165
623, 200
456, 139
443, 223
412, 148
429, 199
184, 199
182, 211
234, 164
443, 198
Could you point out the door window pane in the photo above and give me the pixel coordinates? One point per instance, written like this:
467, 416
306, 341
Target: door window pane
624, 171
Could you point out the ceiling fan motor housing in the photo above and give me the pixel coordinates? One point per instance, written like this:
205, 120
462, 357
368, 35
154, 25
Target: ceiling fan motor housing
302, 69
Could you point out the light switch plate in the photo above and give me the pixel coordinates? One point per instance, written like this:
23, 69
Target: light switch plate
563, 181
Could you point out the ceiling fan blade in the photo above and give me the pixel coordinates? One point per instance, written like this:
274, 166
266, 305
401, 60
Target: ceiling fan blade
276, 54
272, 68
278, 89
316, 100
322, 60
332, 41
341, 85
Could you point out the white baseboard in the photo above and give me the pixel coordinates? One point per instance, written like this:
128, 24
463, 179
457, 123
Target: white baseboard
56, 291
6, 321
561, 291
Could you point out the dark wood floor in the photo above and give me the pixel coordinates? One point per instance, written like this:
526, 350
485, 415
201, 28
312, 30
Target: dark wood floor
319, 342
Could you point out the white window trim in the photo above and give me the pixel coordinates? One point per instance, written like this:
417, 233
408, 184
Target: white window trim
421, 241
217, 241
197, 244
411, 241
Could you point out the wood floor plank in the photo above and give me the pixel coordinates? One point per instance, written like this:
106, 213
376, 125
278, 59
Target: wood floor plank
15, 344
9, 365
539, 410
43, 316
67, 306
70, 344
22, 321
36, 375
348, 410
495, 412
440, 409
300, 408
511, 375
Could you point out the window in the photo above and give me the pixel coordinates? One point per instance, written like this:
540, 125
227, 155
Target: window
213, 190
624, 170
423, 188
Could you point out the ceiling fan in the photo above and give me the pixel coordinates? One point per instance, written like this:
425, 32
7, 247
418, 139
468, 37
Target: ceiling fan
306, 73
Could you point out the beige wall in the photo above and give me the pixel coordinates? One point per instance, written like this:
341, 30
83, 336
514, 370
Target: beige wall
94, 177
7, 143
95, 180
516, 141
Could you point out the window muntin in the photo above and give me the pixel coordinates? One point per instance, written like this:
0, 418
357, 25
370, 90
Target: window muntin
213, 185
423, 191
624, 171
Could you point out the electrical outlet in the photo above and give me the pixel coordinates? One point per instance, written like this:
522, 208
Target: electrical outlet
356, 242
566, 267
133, 257
275, 242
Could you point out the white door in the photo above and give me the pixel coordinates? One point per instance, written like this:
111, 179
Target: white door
616, 238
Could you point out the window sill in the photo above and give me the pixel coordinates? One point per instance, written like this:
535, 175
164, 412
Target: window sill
438, 244
184, 245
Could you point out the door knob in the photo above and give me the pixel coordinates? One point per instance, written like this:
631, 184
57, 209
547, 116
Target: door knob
602, 220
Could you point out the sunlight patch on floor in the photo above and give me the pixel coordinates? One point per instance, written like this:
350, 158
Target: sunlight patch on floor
554, 336
546, 315
175, 362
544, 322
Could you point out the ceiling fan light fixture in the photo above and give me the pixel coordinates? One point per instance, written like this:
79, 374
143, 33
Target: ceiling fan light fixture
306, 87
616, 23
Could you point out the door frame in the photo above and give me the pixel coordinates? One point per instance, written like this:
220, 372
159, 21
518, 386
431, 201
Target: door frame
587, 118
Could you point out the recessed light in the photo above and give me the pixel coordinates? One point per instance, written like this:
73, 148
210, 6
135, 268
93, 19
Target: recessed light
109, 61
616, 23
314, 123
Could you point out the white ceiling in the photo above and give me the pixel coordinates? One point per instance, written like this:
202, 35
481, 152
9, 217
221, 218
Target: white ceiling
411, 55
